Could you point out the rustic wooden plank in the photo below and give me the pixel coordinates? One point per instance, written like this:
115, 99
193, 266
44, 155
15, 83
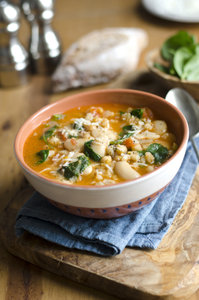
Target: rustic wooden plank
170, 271
21, 280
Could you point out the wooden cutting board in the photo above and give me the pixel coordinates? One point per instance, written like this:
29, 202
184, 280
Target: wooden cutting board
170, 272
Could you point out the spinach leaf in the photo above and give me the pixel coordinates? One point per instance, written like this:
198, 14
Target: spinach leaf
122, 139
74, 169
159, 152
138, 112
57, 117
128, 128
194, 75
43, 155
182, 53
181, 56
77, 125
73, 136
197, 49
88, 151
190, 71
48, 133
127, 131
181, 39
162, 68
172, 70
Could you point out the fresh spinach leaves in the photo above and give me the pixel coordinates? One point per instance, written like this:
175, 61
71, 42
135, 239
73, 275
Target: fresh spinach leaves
180, 39
48, 133
57, 117
127, 131
162, 68
159, 152
137, 112
74, 169
182, 55
88, 151
128, 128
43, 155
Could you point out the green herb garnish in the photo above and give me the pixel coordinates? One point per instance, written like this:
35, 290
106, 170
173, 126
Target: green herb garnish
57, 117
127, 128
77, 125
88, 151
73, 136
43, 154
138, 112
127, 131
162, 68
159, 152
48, 133
74, 169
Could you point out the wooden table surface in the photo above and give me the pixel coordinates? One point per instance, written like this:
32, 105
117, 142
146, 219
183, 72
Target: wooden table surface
73, 19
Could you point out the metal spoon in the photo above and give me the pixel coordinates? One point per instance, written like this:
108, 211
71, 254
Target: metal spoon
190, 109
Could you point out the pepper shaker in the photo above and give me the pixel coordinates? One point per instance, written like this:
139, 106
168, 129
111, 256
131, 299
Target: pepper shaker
44, 45
13, 56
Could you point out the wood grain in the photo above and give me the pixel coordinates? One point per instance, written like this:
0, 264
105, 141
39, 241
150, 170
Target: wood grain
72, 20
170, 271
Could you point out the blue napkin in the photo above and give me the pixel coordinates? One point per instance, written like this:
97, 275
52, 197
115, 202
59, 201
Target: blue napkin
144, 228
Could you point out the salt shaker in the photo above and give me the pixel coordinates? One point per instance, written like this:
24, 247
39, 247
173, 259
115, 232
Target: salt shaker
13, 56
44, 46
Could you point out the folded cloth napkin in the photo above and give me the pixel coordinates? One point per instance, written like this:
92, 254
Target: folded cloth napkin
144, 228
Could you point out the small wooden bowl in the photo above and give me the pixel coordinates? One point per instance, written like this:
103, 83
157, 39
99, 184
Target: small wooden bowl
191, 87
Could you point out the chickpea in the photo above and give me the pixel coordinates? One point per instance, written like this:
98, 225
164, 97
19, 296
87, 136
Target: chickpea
149, 157
105, 123
160, 126
106, 159
121, 149
134, 156
110, 150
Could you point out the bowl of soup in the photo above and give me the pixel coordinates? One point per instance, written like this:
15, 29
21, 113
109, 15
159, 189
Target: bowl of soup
102, 153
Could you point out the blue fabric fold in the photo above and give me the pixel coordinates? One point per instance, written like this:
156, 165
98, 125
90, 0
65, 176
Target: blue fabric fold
144, 228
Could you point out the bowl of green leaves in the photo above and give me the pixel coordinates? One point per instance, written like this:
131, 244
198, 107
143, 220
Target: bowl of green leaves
177, 62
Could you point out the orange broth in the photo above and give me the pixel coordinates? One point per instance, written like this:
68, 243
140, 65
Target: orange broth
35, 143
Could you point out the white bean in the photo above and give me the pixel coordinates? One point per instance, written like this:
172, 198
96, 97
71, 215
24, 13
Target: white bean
74, 144
124, 170
70, 144
106, 159
147, 135
88, 170
121, 149
149, 157
98, 148
160, 126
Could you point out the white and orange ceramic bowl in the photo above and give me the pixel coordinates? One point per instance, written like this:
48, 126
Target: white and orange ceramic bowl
114, 200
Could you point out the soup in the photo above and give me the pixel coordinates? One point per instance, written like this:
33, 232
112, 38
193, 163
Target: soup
99, 145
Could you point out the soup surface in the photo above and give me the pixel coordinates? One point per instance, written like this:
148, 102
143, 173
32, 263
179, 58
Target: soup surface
99, 145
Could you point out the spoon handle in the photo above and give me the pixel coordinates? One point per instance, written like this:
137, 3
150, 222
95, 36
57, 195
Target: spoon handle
195, 147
